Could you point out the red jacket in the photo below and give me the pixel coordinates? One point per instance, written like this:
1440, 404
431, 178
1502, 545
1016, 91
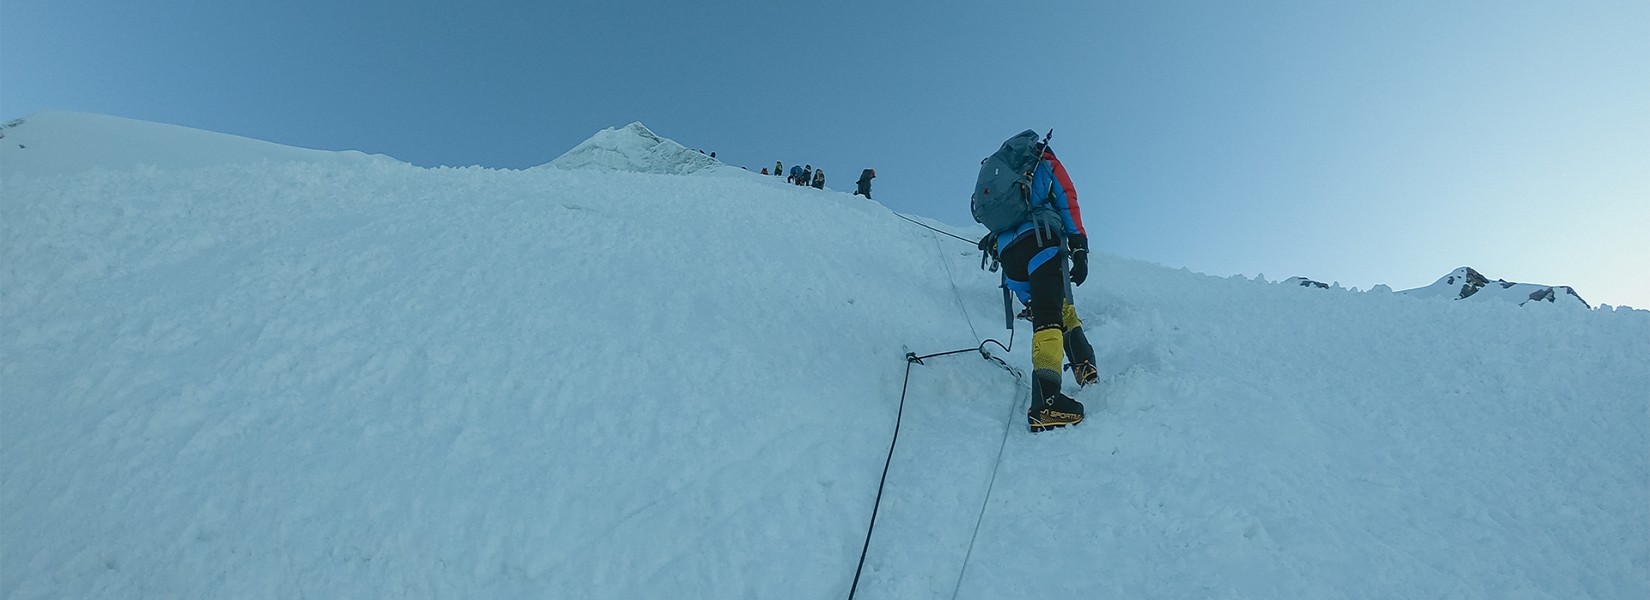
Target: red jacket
1064, 179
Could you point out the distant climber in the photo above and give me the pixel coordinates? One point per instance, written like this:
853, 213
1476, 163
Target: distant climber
1024, 195
865, 178
778, 169
764, 170
796, 174
819, 179
807, 175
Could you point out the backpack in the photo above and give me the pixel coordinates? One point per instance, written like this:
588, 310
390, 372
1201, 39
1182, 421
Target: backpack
1002, 193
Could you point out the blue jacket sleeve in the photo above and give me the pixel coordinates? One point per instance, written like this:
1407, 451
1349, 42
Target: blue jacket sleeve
1044, 186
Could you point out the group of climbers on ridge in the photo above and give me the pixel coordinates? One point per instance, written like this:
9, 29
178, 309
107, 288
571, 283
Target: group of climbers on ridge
807, 175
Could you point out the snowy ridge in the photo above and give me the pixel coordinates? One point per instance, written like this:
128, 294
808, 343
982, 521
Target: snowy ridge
323, 379
634, 148
63, 142
1466, 283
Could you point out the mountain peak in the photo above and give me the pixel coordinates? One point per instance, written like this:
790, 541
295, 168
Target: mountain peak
633, 148
1466, 282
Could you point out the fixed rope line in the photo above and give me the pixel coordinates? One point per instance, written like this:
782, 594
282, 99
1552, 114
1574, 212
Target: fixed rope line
910, 359
899, 418
989, 487
953, 281
925, 226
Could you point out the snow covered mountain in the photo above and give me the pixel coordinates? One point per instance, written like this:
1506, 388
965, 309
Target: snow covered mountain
636, 149
349, 378
1467, 283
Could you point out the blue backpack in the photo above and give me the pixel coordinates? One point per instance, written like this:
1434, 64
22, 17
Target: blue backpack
1002, 192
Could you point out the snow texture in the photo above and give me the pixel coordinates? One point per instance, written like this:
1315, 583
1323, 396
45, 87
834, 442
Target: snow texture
335, 378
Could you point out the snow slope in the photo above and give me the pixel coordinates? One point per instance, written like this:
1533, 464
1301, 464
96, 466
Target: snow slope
320, 379
62, 142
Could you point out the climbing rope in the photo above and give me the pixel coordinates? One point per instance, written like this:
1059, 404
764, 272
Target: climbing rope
968, 556
924, 226
954, 291
900, 416
912, 358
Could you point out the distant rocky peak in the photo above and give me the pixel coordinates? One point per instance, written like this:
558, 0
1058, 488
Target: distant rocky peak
1467, 282
1307, 283
1468, 278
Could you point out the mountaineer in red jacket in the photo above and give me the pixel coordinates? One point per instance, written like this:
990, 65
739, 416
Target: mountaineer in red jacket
1026, 197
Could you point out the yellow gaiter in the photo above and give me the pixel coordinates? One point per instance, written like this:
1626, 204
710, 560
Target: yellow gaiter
1068, 314
1048, 347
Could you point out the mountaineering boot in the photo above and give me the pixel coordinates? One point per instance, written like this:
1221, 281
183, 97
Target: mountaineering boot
1085, 373
1078, 349
1050, 408
1059, 411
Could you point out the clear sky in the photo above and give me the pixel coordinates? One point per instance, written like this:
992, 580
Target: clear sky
1359, 142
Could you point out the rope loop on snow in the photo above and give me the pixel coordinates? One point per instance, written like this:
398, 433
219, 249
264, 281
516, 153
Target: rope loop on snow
911, 358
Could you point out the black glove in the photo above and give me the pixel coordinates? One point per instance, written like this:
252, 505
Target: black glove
1077, 241
1079, 244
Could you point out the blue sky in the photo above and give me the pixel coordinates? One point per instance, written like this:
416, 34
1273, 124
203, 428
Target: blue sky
1359, 142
